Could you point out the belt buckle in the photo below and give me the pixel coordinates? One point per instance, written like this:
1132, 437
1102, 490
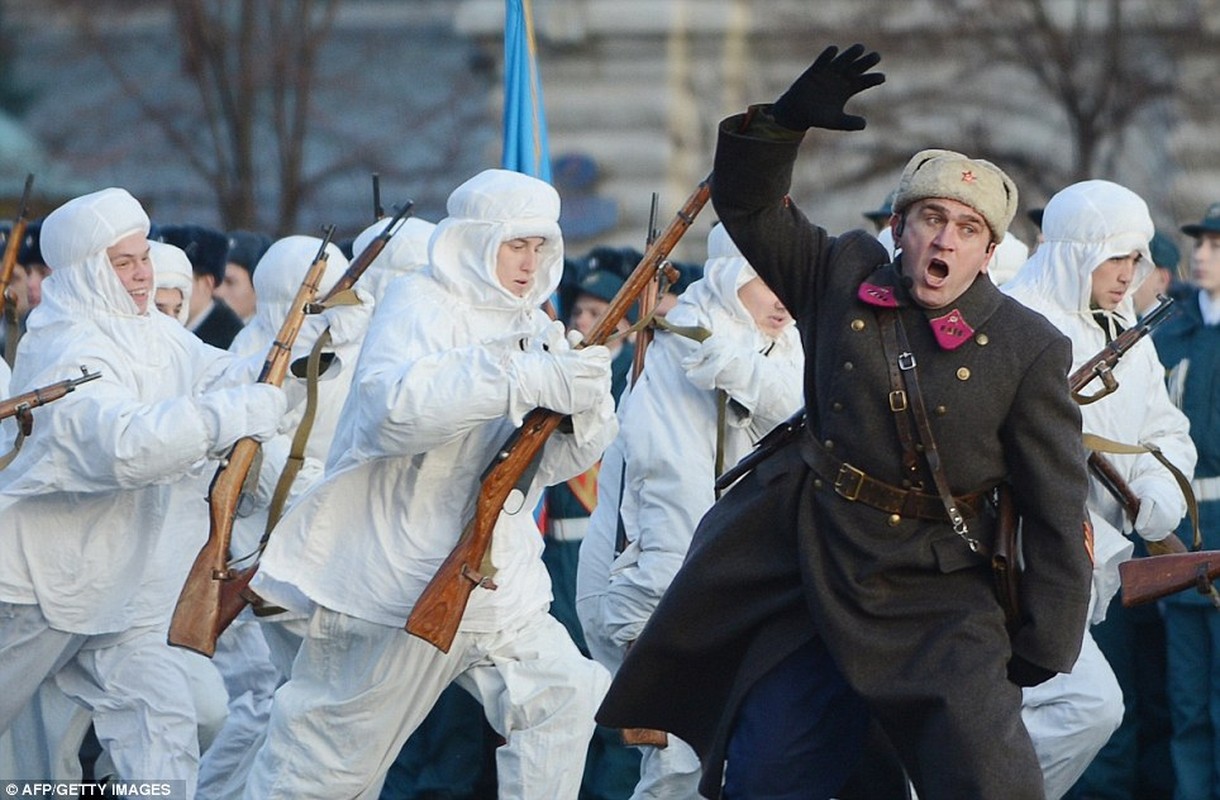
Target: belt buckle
848, 471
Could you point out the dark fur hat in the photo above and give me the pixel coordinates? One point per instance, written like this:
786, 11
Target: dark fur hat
207, 248
246, 248
31, 248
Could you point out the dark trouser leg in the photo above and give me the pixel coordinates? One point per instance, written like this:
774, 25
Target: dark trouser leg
879, 775
798, 732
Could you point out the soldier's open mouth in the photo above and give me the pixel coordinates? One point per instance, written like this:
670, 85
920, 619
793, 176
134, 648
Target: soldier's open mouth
938, 269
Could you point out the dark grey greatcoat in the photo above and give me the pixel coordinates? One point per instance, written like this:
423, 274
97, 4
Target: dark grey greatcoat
904, 605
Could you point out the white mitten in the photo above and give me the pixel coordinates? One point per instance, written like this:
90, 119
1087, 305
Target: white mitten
1154, 523
1158, 515
717, 364
348, 323
588, 424
252, 410
550, 374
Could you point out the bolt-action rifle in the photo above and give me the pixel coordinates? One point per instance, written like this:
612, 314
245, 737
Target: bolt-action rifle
19, 405
1171, 567
197, 619
439, 609
1102, 364
235, 593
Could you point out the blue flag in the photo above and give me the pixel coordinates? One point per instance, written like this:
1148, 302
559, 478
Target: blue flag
525, 144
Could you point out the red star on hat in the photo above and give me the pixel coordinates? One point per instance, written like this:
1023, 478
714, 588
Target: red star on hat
968, 175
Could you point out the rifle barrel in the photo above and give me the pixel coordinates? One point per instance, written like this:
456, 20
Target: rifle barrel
368, 255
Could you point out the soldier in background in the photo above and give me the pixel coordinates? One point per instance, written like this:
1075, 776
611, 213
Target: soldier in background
455, 357
236, 289
696, 408
209, 318
1135, 764
1082, 278
1189, 348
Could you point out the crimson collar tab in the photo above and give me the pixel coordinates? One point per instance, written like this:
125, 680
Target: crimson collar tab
950, 329
875, 294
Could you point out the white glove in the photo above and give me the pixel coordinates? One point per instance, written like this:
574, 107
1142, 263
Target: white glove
251, 410
717, 364
348, 324
587, 425
550, 374
1154, 522
1158, 516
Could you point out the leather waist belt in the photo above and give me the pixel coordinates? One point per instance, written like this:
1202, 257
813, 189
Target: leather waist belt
855, 485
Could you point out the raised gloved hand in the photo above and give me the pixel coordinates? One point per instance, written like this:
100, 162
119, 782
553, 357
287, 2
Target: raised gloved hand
816, 99
551, 374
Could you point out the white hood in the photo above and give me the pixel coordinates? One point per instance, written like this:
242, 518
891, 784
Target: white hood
712, 300
493, 207
1083, 226
172, 270
277, 278
74, 238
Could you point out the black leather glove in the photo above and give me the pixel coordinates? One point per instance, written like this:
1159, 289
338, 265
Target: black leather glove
1024, 673
816, 99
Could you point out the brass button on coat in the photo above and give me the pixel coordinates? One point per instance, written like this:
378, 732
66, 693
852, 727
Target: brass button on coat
941, 411
981, 339
963, 374
836, 406
857, 324
848, 366
893, 520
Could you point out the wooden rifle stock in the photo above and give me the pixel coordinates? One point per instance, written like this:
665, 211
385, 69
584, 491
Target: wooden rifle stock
1120, 490
8, 305
1147, 579
19, 404
13, 246
1102, 364
205, 605
438, 611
